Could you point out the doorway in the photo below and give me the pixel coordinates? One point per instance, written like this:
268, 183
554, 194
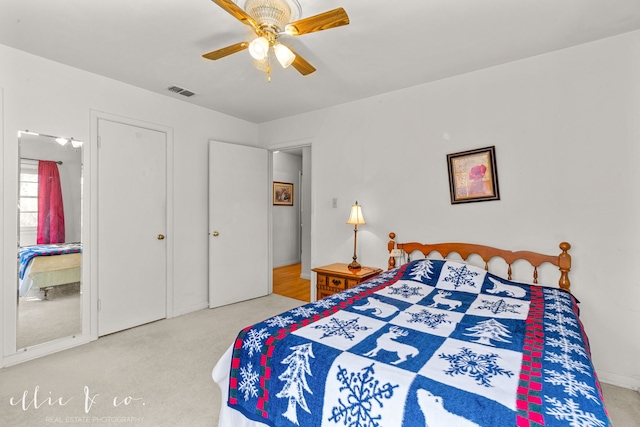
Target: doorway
291, 230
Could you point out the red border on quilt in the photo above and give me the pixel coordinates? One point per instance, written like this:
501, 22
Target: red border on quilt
529, 400
268, 347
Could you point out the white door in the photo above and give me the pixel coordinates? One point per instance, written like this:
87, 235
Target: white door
132, 279
238, 223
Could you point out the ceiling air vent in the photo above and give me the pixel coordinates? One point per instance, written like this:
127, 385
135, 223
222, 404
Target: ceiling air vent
181, 91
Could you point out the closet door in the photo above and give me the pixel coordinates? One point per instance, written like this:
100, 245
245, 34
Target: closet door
132, 255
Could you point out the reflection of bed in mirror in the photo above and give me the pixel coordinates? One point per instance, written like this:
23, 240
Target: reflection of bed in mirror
43, 267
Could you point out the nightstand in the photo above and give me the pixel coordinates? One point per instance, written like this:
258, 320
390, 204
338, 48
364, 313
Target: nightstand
334, 278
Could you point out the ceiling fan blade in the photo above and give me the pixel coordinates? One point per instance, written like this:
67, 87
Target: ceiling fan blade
225, 51
324, 21
238, 13
301, 64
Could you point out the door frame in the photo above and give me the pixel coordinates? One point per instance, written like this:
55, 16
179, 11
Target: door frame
96, 116
306, 142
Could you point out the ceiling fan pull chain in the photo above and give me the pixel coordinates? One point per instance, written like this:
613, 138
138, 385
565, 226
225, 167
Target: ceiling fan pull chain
268, 70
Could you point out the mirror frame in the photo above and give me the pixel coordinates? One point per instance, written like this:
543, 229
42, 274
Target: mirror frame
11, 354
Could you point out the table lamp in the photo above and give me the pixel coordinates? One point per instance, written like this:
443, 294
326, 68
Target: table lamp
355, 218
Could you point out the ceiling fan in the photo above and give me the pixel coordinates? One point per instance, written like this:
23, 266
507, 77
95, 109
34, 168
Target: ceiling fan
271, 19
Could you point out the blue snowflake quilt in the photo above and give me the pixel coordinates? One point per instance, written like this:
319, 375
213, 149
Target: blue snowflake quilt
27, 253
432, 343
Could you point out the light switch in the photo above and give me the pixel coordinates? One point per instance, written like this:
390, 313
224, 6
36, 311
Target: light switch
334, 203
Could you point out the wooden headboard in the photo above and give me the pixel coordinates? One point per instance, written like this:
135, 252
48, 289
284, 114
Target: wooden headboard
562, 261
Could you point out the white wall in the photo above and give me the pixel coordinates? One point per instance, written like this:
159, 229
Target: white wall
286, 219
566, 127
47, 97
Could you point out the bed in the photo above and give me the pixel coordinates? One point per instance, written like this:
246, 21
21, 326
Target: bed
430, 342
49, 265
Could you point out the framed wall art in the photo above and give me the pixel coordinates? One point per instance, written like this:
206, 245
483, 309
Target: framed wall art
282, 194
473, 175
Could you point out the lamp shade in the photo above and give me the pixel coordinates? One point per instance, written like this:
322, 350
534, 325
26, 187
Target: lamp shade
356, 218
284, 55
259, 48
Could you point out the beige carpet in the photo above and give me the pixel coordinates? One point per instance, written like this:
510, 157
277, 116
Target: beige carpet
42, 320
160, 375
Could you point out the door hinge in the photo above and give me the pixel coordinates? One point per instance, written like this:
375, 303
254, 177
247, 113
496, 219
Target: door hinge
99, 304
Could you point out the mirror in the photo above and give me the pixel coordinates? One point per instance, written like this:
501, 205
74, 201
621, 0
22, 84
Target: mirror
49, 303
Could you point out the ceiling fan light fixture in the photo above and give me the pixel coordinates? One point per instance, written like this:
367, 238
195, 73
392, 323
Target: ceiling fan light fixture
272, 13
284, 55
259, 48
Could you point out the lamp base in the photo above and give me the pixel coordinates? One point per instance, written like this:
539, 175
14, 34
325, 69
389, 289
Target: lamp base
354, 266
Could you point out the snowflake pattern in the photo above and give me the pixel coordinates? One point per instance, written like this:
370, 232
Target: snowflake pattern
480, 367
561, 319
570, 411
566, 346
555, 295
364, 392
431, 320
343, 328
247, 384
500, 306
571, 386
559, 306
280, 321
405, 291
303, 311
340, 296
461, 276
562, 331
422, 270
324, 303
568, 362
371, 283
253, 340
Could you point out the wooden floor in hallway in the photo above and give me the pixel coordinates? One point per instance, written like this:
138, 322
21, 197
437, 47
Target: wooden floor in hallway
287, 282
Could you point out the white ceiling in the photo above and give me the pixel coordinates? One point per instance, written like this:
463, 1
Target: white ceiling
388, 45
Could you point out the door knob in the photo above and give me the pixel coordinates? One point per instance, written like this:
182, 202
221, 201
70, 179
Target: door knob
215, 234
160, 236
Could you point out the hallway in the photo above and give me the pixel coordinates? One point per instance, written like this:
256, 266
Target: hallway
287, 282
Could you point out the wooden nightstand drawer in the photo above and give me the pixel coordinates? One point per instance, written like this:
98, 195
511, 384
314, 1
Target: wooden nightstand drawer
321, 280
334, 278
337, 282
350, 283
330, 289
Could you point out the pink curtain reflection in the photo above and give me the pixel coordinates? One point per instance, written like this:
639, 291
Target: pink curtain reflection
50, 207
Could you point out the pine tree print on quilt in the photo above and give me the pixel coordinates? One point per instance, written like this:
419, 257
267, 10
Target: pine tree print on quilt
295, 378
422, 271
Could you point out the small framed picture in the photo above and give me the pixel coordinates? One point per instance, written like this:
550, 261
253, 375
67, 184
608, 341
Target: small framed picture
473, 175
282, 194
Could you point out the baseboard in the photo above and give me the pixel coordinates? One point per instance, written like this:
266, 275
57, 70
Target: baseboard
305, 276
619, 380
190, 309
